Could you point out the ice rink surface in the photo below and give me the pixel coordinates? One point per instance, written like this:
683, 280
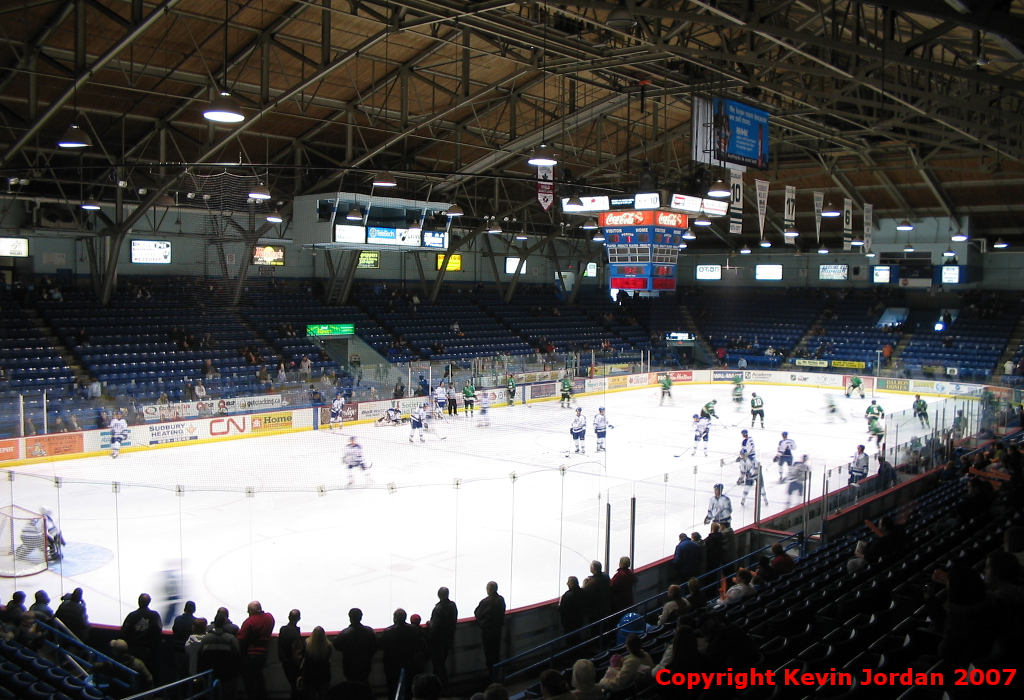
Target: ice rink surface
272, 518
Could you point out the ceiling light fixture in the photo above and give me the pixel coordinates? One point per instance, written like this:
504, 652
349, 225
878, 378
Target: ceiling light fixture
959, 237
598, 237
384, 179
589, 225
620, 18
791, 232
744, 250
165, 200
949, 253
831, 211
909, 247
543, 155
454, 210
905, 225
823, 250
869, 254
857, 241
224, 109
521, 236
259, 192
575, 202
689, 235
702, 219
354, 214
719, 190
74, 137
495, 226
765, 243
274, 217
1000, 243
90, 205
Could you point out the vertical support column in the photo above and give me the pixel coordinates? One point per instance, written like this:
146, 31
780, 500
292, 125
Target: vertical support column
80, 19
349, 137
163, 152
325, 33
33, 90
465, 62
607, 534
265, 71
632, 532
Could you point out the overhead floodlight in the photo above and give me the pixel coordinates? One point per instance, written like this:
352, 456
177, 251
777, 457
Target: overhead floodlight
354, 214
90, 205
259, 192
620, 18
905, 225
949, 253
274, 217
689, 235
823, 250
589, 225
719, 190
1000, 243
454, 210
165, 200
224, 109
831, 211
909, 248
959, 237
74, 137
702, 219
543, 155
765, 243
521, 236
857, 241
384, 179
744, 250
495, 226
598, 237
869, 254
574, 202
682, 246
791, 232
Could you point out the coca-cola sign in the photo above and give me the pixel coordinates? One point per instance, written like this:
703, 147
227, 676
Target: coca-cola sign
670, 218
626, 218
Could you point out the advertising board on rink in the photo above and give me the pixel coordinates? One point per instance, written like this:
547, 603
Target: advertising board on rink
755, 376
725, 375
682, 376
10, 449
204, 409
179, 431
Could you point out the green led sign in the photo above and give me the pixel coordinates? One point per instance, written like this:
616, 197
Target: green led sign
325, 329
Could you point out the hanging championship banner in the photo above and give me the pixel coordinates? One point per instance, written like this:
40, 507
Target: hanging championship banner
545, 186
847, 224
762, 203
819, 204
789, 213
869, 212
736, 204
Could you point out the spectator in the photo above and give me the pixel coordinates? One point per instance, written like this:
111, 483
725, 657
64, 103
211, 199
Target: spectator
199, 390
572, 609
782, 562
687, 558
764, 574
621, 586
95, 389
288, 638
597, 593
357, 644
189, 392
141, 630
254, 640
714, 549
633, 664
675, 606
583, 675
402, 647
219, 652
552, 686
695, 597
496, 691
229, 626
41, 608
889, 544
427, 686
490, 617
741, 589
399, 392
315, 676
120, 652
886, 473
443, 619
72, 612
15, 609
967, 617
181, 630
858, 561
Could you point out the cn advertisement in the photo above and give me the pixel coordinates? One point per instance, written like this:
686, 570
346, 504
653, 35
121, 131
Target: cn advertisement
740, 134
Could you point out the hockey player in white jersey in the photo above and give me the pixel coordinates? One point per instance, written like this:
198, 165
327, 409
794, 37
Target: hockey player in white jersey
784, 455
719, 508
484, 399
337, 407
440, 400
118, 433
797, 476
578, 430
701, 430
353, 458
601, 426
418, 419
750, 470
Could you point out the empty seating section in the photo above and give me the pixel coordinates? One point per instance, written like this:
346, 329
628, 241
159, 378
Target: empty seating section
537, 314
852, 334
422, 326
758, 320
975, 344
630, 324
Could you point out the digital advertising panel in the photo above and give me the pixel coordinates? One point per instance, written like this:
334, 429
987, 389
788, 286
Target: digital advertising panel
151, 252
272, 255
771, 273
740, 134
833, 273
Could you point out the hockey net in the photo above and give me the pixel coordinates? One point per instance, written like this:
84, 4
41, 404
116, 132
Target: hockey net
23, 549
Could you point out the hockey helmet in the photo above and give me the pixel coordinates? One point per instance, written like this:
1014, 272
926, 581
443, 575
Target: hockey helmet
743, 432
695, 415
579, 410
601, 409
785, 434
714, 400
719, 487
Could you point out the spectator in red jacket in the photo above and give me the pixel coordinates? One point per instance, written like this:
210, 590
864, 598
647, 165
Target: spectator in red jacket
622, 586
782, 563
253, 638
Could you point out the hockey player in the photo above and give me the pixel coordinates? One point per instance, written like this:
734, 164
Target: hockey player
701, 430
797, 476
737, 389
468, 398
719, 508
856, 384
118, 433
392, 416
601, 426
874, 411
579, 431
440, 400
418, 419
750, 470
831, 409
453, 399
876, 431
921, 411
784, 454
709, 410
337, 407
511, 386
353, 458
566, 400
666, 388
859, 466
756, 409
485, 403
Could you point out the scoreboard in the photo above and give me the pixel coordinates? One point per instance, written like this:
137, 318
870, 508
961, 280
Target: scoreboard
643, 257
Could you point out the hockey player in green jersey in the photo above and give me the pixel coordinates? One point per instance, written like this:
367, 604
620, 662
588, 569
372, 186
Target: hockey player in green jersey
756, 409
666, 388
511, 386
566, 400
921, 411
737, 389
709, 409
875, 430
469, 397
874, 411
856, 384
